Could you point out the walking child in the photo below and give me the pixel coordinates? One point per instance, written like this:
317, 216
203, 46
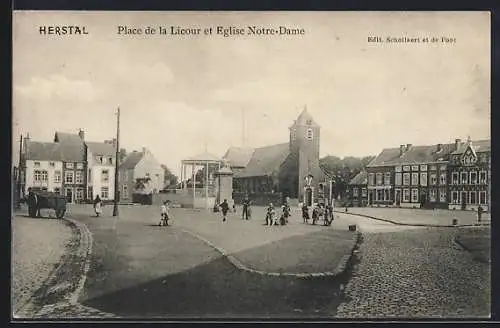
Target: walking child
225, 208
164, 214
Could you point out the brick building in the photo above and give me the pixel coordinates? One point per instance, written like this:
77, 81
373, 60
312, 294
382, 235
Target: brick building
357, 189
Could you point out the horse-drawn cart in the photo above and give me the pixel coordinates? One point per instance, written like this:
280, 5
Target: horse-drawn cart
38, 200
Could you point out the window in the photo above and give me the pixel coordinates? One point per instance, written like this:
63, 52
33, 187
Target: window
37, 175
464, 177
103, 160
68, 177
454, 197
472, 197
69, 165
406, 168
147, 175
442, 195
125, 175
355, 192
57, 176
79, 193
398, 168
432, 195
406, 195
433, 167
482, 197
309, 122
125, 190
464, 198
363, 192
387, 178
79, 177
90, 193
442, 178
105, 176
398, 179
442, 168
100, 159
104, 192
454, 178
379, 178
111, 160
433, 179
482, 177
309, 134
52, 164
371, 179
414, 195
69, 193
414, 178
414, 168
79, 166
423, 179
387, 194
473, 177
45, 176
423, 167
37, 164
406, 179
57, 191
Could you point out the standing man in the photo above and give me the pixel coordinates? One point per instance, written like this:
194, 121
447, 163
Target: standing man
244, 214
479, 213
225, 208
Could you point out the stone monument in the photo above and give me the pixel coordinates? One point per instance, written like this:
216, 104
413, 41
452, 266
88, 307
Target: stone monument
224, 178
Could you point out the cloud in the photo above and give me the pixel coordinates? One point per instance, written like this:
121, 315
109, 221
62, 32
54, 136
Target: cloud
57, 87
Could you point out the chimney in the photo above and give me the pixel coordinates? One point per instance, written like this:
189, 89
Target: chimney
81, 133
457, 143
402, 149
439, 148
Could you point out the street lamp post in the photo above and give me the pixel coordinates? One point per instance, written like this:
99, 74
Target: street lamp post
117, 154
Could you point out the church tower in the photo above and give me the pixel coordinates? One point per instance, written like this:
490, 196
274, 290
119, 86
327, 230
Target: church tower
304, 146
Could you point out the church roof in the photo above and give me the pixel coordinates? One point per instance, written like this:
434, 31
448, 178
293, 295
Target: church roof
305, 118
238, 157
265, 161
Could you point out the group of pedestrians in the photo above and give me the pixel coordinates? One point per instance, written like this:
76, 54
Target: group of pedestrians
272, 218
320, 211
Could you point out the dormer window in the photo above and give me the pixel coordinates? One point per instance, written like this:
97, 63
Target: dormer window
309, 134
309, 122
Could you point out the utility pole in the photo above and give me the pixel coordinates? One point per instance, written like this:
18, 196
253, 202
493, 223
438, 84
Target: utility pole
243, 127
117, 193
18, 200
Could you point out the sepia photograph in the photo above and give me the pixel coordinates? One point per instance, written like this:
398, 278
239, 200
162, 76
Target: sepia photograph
251, 165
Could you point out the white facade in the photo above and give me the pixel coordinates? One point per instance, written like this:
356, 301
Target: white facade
149, 167
46, 175
100, 176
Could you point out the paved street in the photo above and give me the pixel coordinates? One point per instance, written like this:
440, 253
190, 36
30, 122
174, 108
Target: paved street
141, 270
416, 273
37, 248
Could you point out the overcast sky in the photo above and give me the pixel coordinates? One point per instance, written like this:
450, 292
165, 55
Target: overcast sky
180, 94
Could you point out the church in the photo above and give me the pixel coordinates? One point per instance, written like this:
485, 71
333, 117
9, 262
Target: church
290, 169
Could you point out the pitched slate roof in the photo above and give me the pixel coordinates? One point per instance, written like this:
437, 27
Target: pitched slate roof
265, 161
360, 179
43, 151
415, 155
478, 146
238, 157
101, 148
72, 147
131, 160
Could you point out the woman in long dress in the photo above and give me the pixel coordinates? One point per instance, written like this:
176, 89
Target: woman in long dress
97, 205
